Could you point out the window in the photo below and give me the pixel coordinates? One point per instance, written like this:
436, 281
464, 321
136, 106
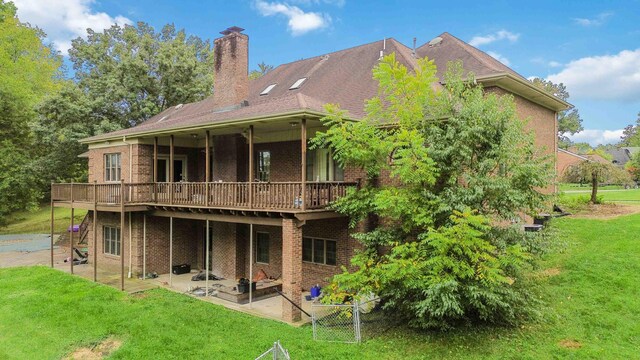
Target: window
322, 167
264, 165
297, 84
267, 89
319, 251
112, 167
111, 237
262, 247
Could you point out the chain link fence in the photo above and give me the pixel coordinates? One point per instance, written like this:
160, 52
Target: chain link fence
276, 352
336, 323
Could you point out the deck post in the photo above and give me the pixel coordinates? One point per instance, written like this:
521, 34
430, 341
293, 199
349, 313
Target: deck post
250, 265
144, 246
291, 269
303, 175
171, 251
95, 234
122, 234
207, 176
171, 169
155, 169
251, 166
52, 217
206, 265
71, 234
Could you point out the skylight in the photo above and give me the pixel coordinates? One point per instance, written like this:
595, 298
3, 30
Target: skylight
297, 84
267, 89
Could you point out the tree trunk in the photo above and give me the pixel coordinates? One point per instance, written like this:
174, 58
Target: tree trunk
594, 187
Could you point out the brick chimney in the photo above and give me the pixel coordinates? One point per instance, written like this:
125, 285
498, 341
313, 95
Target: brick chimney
231, 68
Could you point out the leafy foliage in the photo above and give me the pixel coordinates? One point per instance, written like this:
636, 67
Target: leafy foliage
443, 165
595, 173
569, 121
28, 71
260, 71
631, 134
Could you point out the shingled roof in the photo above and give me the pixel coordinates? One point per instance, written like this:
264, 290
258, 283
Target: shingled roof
342, 77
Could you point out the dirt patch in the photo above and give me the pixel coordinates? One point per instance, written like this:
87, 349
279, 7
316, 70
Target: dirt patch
570, 344
606, 211
99, 351
550, 272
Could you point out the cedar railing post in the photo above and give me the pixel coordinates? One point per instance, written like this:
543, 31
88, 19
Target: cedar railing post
71, 233
171, 170
155, 169
52, 217
207, 166
95, 235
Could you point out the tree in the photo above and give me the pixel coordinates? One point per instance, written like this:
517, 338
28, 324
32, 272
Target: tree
460, 162
28, 71
595, 173
261, 71
569, 121
631, 134
123, 76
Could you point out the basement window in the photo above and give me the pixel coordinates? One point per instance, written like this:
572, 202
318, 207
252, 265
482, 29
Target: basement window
111, 237
319, 251
268, 89
297, 84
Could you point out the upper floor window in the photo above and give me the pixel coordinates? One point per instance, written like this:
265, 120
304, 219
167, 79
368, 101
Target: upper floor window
322, 167
264, 165
112, 167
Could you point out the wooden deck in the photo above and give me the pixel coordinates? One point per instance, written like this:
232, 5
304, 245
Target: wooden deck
272, 196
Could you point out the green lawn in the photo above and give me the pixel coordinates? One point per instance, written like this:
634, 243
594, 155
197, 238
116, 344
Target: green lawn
586, 187
622, 196
39, 221
592, 297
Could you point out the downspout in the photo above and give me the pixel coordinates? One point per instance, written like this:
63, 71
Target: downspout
124, 140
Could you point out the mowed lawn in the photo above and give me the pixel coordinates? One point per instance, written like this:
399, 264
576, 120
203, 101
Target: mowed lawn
39, 221
622, 196
591, 289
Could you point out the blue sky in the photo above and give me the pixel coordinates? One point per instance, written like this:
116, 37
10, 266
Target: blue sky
591, 46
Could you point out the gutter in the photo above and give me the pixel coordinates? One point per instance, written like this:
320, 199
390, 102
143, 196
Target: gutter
237, 122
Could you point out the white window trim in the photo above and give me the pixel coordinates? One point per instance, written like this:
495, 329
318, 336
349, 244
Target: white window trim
104, 240
325, 250
104, 166
176, 157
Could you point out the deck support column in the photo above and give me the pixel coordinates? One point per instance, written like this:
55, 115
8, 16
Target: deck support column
71, 234
52, 217
251, 166
207, 176
122, 234
171, 251
206, 265
303, 175
94, 227
171, 184
291, 269
144, 246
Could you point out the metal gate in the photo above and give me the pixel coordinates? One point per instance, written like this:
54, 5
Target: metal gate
336, 323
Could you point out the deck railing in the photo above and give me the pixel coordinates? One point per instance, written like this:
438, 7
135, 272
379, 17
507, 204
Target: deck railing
230, 195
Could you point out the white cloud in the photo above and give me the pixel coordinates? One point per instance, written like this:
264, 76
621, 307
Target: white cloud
64, 20
607, 77
338, 3
597, 21
497, 36
300, 22
554, 64
499, 57
596, 137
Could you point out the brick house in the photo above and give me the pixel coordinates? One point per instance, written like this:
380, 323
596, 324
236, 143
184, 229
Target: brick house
238, 161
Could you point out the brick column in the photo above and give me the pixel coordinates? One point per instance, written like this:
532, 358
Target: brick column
291, 269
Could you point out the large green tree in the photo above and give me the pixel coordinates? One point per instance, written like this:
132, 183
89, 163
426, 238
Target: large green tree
631, 134
123, 76
28, 71
569, 121
459, 162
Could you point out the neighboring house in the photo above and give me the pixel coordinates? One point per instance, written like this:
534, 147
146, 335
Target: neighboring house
566, 159
622, 155
236, 160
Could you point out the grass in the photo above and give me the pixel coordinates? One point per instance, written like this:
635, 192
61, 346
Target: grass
39, 221
586, 187
593, 304
622, 196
